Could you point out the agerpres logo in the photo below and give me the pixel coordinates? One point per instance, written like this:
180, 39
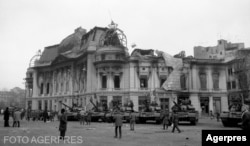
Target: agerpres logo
42, 140
228, 139
225, 137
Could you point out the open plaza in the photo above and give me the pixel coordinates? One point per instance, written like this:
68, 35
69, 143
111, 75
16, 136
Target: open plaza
98, 133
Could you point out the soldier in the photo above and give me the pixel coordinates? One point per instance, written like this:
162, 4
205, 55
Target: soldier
82, 117
88, 117
45, 115
118, 123
165, 121
175, 120
6, 117
63, 124
132, 121
245, 118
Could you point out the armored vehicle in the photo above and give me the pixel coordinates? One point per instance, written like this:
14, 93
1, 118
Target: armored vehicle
186, 112
150, 112
232, 118
73, 113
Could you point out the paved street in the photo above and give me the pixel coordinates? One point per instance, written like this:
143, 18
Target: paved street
103, 133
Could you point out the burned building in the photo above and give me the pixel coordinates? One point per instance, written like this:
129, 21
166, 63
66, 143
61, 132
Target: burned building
96, 65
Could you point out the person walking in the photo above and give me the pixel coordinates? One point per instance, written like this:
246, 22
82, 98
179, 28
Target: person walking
175, 120
132, 121
82, 114
118, 123
211, 115
45, 115
218, 116
88, 117
6, 117
14, 119
245, 118
63, 124
165, 121
17, 116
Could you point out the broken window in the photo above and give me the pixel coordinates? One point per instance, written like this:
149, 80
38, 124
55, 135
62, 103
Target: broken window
164, 102
117, 101
103, 57
104, 102
117, 81
183, 82
41, 90
142, 101
215, 77
162, 81
143, 82
104, 81
39, 105
230, 71
233, 85
228, 85
46, 104
203, 81
47, 88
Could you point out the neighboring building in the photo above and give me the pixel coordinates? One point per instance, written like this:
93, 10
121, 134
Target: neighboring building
223, 50
96, 65
238, 78
14, 97
222, 74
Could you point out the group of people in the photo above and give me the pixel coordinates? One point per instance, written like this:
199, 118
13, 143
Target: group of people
16, 114
118, 121
85, 117
217, 115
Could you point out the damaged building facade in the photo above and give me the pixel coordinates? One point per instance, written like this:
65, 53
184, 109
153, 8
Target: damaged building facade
96, 65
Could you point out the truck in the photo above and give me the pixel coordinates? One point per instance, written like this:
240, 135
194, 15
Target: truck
186, 112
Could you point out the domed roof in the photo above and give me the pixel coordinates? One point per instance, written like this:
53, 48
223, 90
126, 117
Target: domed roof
72, 42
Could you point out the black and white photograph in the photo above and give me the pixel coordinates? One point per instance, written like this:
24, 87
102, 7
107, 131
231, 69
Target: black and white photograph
124, 72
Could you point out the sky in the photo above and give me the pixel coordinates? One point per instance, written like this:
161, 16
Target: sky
27, 26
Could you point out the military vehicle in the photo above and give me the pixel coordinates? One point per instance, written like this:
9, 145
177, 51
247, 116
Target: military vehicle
186, 112
98, 112
73, 113
113, 107
232, 118
150, 112
127, 109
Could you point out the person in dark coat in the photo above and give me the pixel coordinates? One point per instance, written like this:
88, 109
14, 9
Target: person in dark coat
132, 121
6, 117
88, 118
118, 123
63, 124
246, 119
45, 116
175, 120
165, 121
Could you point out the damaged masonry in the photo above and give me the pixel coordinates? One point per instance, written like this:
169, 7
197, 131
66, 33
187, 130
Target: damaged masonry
95, 66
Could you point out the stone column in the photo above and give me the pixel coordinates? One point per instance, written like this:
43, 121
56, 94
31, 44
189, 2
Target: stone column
43, 105
34, 105
35, 87
196, 102
211, 105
